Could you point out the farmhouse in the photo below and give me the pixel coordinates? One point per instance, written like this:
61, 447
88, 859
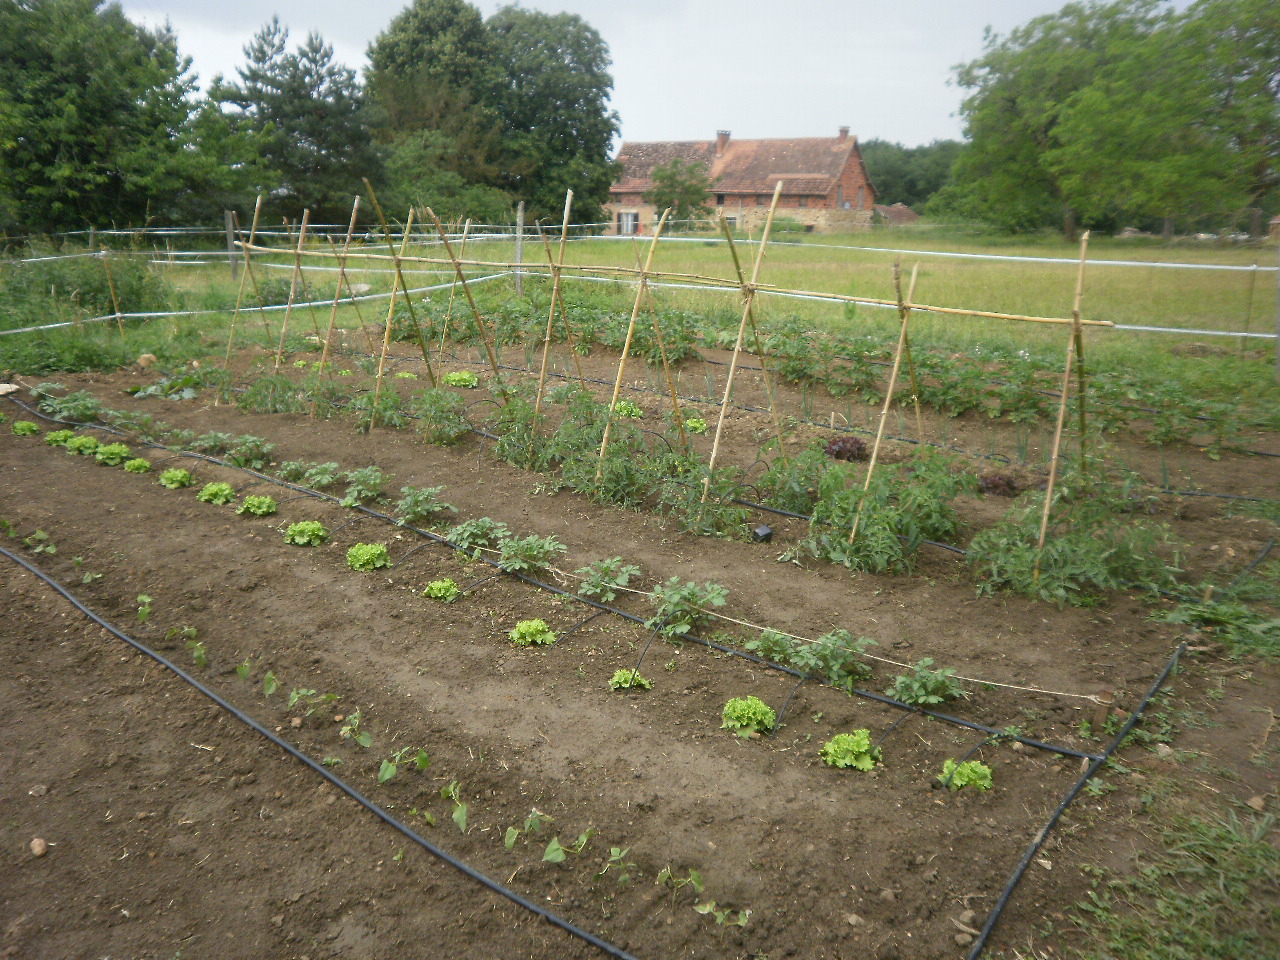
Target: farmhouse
824, 181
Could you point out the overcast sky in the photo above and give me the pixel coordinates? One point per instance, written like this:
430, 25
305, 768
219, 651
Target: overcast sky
683, 69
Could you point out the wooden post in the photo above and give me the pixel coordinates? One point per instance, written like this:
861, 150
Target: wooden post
748, 296
626, 344
93, 238
111, 285
293, 285
231, 336
1278, 315
906, 346
386, 329
453, 289
395, 261
520, 248
342, 276
475, 311
1062, 410
888, 396
229, 217
551, 314
564, 314
355, 304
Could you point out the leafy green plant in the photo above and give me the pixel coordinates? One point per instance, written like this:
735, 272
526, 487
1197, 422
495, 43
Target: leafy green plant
748, 715
144, 607
25, 428
461, 378
306, 533
440, 416
39, 542
391, 766
480, 533
618, 863
137, 465
259, 506
79, 406
629, 679
363, 485
850, 750
310, 700
82, 445
723, 917
174, 478
318, 476
628, 410
667, 878
199, 654
368, 556
924, 687
270, 683
419, 505
459, 815
250, 451
556, 852
604, 578
532, 633
533, 823
244, 668
834, 655
57, 438
217, 493
530, 556
682, 605
971, 773
1236, 624
353, 730
446, 590
695, 425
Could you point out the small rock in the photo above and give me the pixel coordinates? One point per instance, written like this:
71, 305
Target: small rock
968, 917
146, 360
338, 718
963, 939
295, 722
888, 895
277, 919
853, 920
1164, 751
39, 847
39, 790
920, 860
1258, 803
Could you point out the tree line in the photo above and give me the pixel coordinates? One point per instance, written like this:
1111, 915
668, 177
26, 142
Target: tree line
102, 122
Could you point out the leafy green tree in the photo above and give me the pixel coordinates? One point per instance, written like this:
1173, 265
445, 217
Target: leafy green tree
307, 110
909, 175
93, 116
682, 185
552, 95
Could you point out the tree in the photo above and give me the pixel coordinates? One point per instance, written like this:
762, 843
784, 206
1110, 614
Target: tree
307, 109
552, 95
682, 185
909, 175
94, 115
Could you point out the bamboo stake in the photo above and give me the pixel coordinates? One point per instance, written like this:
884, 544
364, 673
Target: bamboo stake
564, 314
397, 260
475, 311
253, 278
386, 330
906, 345
244, 277
626, 344
888, 398
748, 295
755, 335
293, 285
1062, 415
342, 276
551, 314
453, 287
355, 303
115, 300
1077, 335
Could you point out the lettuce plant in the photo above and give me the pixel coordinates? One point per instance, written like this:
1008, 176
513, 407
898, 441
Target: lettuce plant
57, 438
850, 750
532, 633
628, 680
81, 445
306, 533
748, 715
259, 506
461, 378
971, 773
137, 465
217, 493
368, 556
446, 591
112, 454
25, 428
173, 478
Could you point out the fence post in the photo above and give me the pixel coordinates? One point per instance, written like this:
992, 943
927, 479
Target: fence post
229, 218
1278, 313
519, 248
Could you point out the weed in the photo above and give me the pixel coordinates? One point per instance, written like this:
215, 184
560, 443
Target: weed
1241, 628
368, 556
217, 493
174, 478
532, 633
258, 506
971, 773
306, 533
604, 578
421, 505
924, 687
137, 465
629, 679
748, 715
850, 750
446, 591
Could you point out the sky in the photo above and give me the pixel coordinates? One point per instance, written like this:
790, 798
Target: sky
684, 69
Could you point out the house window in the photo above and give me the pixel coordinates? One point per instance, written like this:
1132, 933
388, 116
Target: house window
719, 199
861, 196
628, 223
802, 201
763, 200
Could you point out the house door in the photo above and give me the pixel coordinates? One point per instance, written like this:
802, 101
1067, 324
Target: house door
628, 223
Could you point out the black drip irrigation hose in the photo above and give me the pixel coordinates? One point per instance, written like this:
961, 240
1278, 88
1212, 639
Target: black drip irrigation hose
552, 588
342, 785
994, 916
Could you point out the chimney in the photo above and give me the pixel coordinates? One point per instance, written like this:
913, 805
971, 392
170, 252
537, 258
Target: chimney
844, 135
722, 141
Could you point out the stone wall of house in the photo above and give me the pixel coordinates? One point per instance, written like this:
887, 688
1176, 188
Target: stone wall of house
745, 217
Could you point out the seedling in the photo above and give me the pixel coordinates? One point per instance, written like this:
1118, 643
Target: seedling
461, 378
185, 632
628, 679
39, 542
57, 438
604, 578
81, 445
969, 773
387, 771
446, 591
748, 715
242, 670
270, 683
532, 824
309, 699
618, 861
924, 687
259, 506
112, 454
459, 815
368, 556
850, 750
174, 478
216, 493
532, 633
352, 730
723, 917
306, 533
557, 852
198, 653
25, 428
144, 607
137, 465
88, 577
666, 877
